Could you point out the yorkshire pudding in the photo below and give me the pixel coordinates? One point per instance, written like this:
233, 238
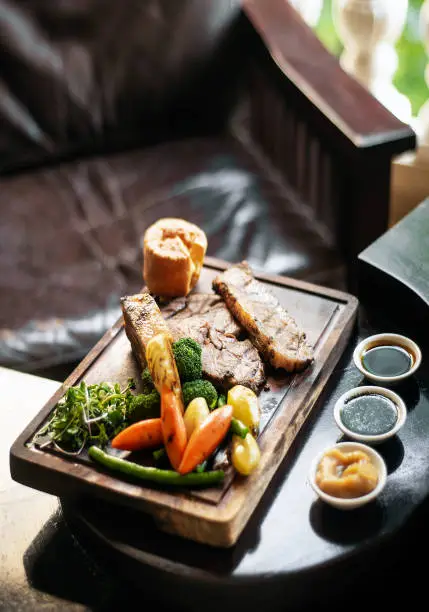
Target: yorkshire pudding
174, 251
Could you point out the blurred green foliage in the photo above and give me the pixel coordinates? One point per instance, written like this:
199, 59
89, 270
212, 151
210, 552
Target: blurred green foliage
409, 78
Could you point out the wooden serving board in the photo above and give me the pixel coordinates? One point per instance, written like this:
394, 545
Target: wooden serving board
213, 516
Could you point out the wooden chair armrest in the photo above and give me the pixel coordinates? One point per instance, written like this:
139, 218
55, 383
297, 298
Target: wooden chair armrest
324, 133
337, 103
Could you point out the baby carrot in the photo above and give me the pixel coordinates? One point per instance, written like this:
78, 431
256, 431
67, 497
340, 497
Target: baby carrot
173, 427
205, 439
140, 435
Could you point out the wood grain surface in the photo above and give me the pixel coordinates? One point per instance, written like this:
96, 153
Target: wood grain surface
217, 516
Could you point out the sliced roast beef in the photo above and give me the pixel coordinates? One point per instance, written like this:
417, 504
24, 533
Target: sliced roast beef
227, 359
143, 320
271, 328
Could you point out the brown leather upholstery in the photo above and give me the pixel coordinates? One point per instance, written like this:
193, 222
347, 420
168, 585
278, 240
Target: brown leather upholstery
86, 75
72, 236
92, 76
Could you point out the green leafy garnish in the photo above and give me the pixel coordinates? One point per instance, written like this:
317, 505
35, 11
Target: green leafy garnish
87, 415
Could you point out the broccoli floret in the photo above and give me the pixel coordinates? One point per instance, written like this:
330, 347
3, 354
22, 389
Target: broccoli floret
145, 406
200, 388
147, 381
187, 354
221, 400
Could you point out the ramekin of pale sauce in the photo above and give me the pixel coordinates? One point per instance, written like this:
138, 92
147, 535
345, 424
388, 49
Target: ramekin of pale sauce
348, 475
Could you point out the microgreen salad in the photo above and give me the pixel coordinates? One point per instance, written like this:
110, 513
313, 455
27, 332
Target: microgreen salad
86, 415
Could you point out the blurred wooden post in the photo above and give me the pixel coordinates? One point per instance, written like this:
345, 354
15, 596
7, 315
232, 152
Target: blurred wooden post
410, 173
423, 118
310, 10
369, 30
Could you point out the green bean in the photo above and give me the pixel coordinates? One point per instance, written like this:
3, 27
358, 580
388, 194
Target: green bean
238, 428
166, 477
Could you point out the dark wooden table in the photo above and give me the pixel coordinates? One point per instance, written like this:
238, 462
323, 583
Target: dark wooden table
296, 552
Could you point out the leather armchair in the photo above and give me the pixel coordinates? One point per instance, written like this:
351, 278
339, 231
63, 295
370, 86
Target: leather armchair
231, 115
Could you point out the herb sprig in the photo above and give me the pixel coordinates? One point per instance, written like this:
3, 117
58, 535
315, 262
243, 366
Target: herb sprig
87, 415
